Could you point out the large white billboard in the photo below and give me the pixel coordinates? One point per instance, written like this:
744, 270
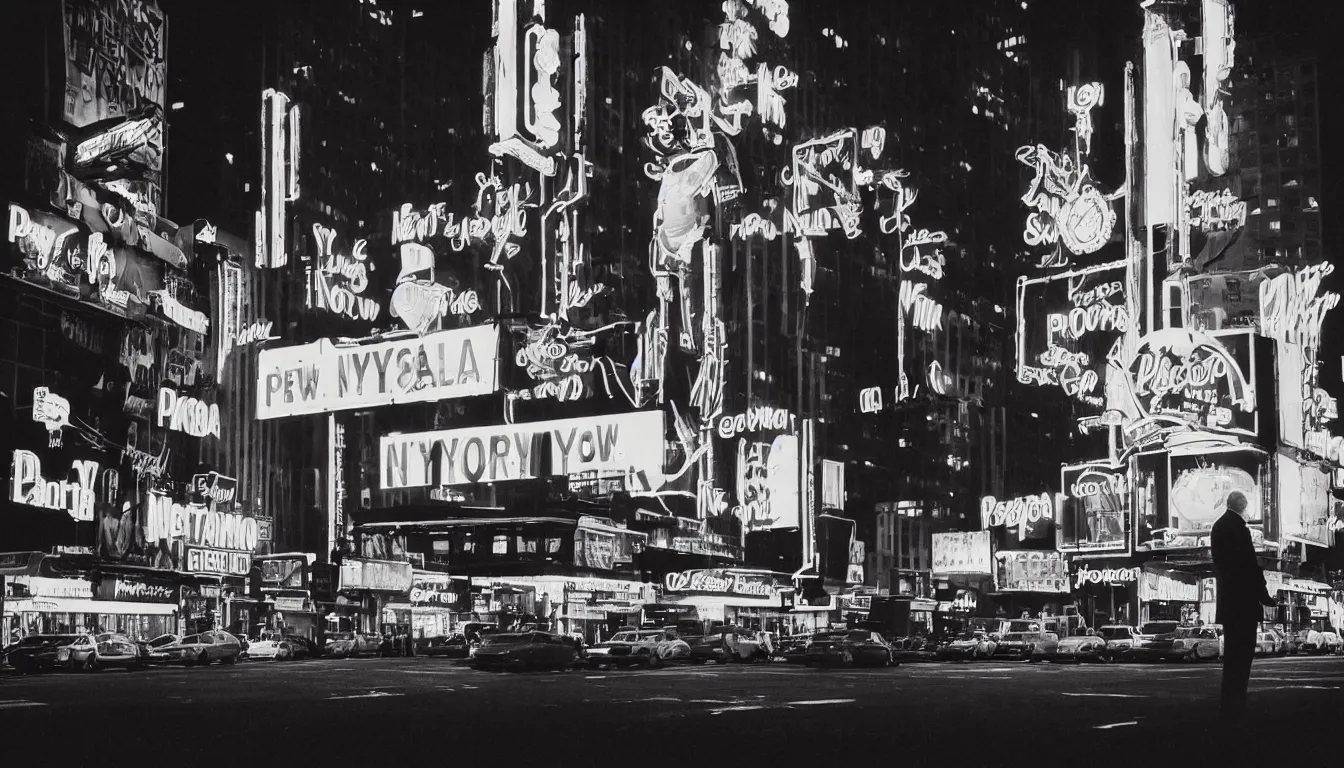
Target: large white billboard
620, 443
323, 377
968, 552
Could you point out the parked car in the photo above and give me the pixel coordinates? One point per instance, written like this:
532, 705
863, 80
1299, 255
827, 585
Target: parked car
793, 648
1081, 648
147, 646
917, 648
1287, 641
1120, 640
272, 647
1186, 644
707, 648
525, 650
1320, 643
1020, 645
673, 648
856, 647
453, 647
1266, 643
108, 649
973, 644
303, 647
630, 648
344, 645
1149, 632
200, 649
38, 653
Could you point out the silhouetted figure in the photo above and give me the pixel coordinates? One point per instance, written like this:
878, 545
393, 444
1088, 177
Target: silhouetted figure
1241, 592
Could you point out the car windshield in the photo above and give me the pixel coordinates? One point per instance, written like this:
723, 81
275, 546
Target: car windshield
506, 639
625, 637
971, 634
1159, 627
1115, 633
162, 640
858, 637
1023, 625
1187, 632
341, 636
1012, 636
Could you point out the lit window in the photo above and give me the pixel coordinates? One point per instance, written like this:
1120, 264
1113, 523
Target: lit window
552, 546
500, 545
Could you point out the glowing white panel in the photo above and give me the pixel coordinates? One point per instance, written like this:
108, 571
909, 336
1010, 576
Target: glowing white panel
322, 377
1219, 48
962, 553
609, 445
1159, 121
1304, 502
1292, 307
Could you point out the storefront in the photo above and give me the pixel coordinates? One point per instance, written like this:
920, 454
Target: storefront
1034, 582
1168, 595
438, 603
751, 599
569, 604
44, 605
376, 585
1106, 590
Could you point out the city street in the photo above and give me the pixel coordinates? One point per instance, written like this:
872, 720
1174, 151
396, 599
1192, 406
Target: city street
338, 711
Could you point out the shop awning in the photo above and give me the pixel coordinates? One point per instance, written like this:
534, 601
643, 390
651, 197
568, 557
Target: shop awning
73, 605
1306, 586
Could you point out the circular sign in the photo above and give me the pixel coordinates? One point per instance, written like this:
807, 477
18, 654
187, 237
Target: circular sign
1086, 222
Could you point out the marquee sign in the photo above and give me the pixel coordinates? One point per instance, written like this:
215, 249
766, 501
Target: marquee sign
720, 581
965, 552
28, 486
183, 413
323, 377
1200, 378
620, 443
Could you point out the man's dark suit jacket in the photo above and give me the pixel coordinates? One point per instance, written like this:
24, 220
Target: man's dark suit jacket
1241, 583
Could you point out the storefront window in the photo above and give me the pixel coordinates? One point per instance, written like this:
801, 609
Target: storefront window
527, 544
500, 546
552, 545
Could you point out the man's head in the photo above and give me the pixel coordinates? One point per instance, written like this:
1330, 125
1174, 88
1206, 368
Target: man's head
1236, 502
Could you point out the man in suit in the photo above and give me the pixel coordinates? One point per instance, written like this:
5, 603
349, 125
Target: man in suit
1241, 592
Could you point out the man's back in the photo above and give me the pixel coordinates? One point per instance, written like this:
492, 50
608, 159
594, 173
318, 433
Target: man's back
1240, 580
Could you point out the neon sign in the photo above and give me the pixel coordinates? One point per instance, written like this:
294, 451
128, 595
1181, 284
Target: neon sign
758, 419
1082, 99
1088, 575
1291, 311
52, 410
338, 280
1016, 513
1212, 211
1192, 376
182, 413
1086, 314
870, 400
27, 486
279, 176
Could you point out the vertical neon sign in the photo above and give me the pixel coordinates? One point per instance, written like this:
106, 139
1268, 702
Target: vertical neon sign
279, 176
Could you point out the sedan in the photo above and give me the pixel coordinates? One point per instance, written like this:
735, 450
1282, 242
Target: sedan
344, 645
108, 649
973, 645
794, 648
1185, 644
273, 647
1082, 648
455, 647
1120, 640
857, 647
36, 653
1266, 644
1018, 645
525, 650
200, 649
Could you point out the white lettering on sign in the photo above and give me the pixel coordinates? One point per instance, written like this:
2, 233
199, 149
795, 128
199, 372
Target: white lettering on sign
129, 135
759, 419
217, 561
1291, 310
925, 313
257, 330
1216, 210
321, 377
1159, 375
1014, 513
1087, 486
184, 316
27, 486
139, 591
197, 526
1087, 575
603, 444
182, 413
754, 225
338, 280
870, 400
1081, 320
723, 582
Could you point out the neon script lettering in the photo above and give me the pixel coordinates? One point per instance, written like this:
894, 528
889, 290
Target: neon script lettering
757, 419
27, 486
338, 280
1290, 309
181, 413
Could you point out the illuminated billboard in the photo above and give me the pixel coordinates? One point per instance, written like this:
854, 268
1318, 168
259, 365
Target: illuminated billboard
969, 553
619, 444
1179, 496
1304, 502
114, 58
1094, 509
322, 376
1030, 571
1067, 325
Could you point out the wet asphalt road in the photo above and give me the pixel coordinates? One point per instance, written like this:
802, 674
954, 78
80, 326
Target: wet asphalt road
433, 711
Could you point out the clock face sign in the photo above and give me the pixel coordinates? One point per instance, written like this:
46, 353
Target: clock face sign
1086, 222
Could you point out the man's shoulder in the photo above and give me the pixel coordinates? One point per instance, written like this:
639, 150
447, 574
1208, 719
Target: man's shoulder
1228, 520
